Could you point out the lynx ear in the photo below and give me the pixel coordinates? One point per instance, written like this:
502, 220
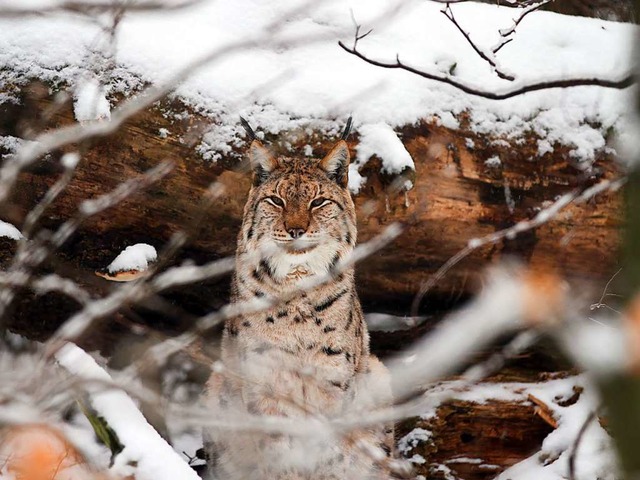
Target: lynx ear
262, 162
336, 163
261, 159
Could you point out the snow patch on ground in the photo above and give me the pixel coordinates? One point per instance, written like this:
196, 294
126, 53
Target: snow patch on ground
134, 257
9, 231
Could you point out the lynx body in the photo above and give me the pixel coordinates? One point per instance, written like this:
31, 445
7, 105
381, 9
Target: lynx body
307, 356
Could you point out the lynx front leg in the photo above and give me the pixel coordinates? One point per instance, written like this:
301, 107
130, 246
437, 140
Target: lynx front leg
373, 390
375, 393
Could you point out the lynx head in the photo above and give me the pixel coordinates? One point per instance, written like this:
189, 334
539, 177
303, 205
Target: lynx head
299, 214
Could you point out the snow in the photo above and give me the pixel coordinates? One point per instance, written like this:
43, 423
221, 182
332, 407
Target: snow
145, 454
412, 439
70, 160
596, 457
493, 162
382, 322
134, 257
90, 102
356, 180
9, 231
282, 83
380, 140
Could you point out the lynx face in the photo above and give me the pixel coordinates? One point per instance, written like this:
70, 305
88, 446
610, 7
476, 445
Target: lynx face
299, 214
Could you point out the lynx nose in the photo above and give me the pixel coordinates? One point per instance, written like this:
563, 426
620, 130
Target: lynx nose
296, 232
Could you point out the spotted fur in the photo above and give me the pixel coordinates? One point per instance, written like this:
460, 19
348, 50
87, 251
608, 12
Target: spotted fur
310, 355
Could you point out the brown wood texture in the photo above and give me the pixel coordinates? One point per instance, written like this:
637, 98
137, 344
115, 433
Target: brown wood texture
474, 441
456, 197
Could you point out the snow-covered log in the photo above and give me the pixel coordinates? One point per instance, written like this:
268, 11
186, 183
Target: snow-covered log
458, 192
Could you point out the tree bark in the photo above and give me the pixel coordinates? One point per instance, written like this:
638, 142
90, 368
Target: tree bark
476, 441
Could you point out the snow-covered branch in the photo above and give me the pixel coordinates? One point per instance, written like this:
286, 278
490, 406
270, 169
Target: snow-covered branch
146, 455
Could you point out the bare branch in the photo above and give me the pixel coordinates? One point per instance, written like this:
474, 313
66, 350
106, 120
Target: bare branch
32, 254
45, 284
508, 3
35, 213
617, 82
426, 399
8, 9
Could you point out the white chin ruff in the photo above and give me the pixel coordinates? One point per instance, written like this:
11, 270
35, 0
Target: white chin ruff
315, 261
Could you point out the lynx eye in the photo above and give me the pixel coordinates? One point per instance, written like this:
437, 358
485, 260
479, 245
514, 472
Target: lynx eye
318, 202
276, 201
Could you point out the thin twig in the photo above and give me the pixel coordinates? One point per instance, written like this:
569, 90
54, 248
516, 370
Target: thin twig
34, 253
508, 34
542, 217
488, 57
600, 303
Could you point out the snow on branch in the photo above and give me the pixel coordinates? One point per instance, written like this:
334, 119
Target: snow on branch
146, 455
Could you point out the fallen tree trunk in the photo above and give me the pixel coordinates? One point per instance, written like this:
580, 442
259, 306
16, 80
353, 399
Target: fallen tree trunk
478, 433
474, 441
456, 196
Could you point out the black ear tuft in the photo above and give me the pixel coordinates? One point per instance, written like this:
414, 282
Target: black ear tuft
347, 129
247, 128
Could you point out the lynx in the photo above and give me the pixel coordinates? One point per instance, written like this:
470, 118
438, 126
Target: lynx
308, 356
